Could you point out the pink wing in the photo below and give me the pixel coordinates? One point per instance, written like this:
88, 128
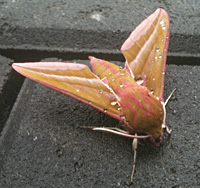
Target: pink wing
75, 80
146, 50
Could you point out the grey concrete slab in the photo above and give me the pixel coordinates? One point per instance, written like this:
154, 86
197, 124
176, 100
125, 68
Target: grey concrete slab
93, 25
44, 145
9, 88
5, 69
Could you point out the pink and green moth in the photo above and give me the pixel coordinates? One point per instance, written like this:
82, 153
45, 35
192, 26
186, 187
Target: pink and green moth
133, 94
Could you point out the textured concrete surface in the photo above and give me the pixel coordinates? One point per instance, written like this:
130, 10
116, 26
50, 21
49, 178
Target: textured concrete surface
5, 70
49, 149
9, 87
42, 144
95, 25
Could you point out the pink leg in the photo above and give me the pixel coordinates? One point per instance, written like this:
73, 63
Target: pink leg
135, 145
116, 131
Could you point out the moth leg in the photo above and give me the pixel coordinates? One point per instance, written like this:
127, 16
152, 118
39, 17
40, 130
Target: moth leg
120, 130
110, 128
166, 129
134, 145
170, 96
116, 131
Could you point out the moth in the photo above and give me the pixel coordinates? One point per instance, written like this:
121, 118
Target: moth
133, 94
